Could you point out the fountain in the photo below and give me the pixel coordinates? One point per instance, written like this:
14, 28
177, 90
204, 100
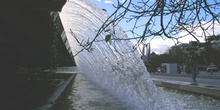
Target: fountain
111, 66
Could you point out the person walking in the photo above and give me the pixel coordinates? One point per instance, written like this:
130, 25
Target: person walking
193, 62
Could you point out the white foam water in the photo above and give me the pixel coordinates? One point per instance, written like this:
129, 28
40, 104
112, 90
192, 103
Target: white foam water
112, 66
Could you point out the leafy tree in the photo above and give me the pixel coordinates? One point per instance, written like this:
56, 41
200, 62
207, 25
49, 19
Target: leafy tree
210, 51
207, 52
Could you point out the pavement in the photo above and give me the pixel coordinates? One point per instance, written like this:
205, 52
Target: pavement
206, 83
56, 95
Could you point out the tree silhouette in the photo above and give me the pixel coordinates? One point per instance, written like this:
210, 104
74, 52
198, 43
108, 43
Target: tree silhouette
163, 18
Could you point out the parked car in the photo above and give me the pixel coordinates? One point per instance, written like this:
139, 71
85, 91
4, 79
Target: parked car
212, 68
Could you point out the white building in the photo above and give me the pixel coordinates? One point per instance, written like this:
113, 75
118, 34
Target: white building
169, 68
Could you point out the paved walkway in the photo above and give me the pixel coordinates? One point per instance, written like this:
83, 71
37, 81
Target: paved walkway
208, 84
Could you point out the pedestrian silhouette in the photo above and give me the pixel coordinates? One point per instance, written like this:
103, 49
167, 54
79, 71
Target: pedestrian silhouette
193, 63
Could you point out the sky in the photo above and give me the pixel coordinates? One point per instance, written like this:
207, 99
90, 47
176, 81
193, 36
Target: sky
158, 45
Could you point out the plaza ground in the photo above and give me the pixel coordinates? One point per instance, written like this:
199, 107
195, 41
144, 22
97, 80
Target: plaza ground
206, 84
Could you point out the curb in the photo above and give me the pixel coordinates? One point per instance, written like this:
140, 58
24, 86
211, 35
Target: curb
208, 90
189, 75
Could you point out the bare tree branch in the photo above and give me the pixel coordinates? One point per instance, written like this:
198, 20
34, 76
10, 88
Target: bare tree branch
164, 18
